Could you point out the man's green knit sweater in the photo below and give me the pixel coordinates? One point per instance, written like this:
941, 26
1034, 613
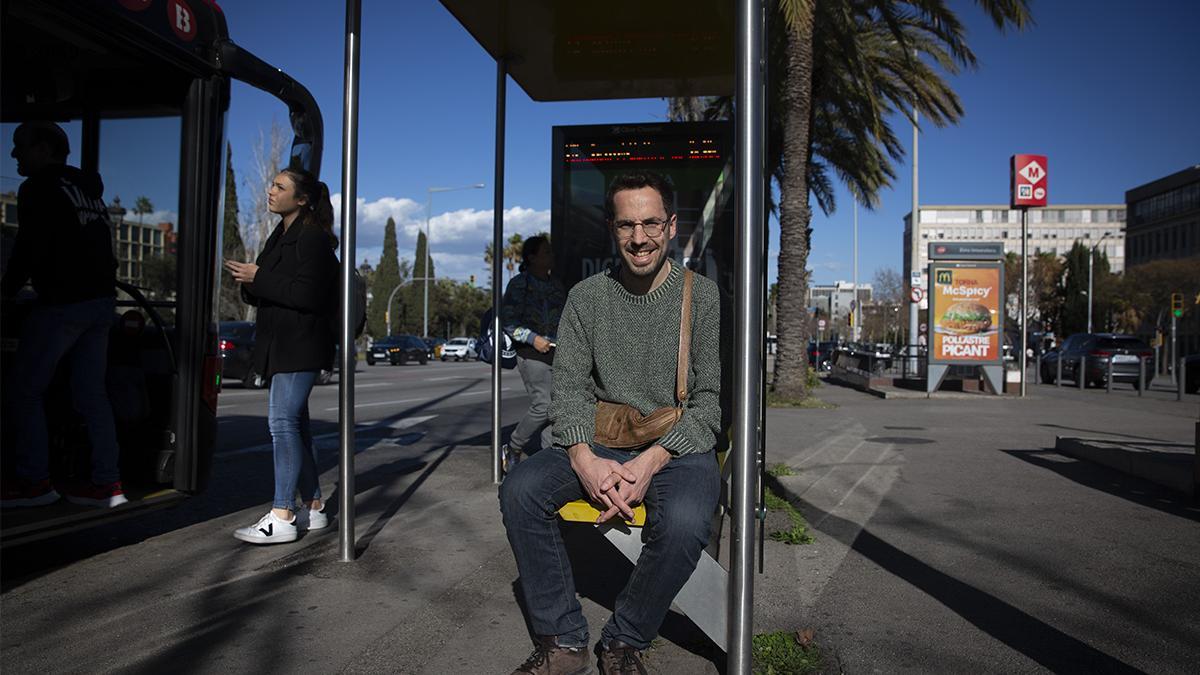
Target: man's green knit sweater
620, 347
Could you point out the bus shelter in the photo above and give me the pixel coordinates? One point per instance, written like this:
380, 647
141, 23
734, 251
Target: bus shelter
558, 51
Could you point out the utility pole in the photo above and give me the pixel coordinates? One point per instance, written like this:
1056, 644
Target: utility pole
914, 243
855, 332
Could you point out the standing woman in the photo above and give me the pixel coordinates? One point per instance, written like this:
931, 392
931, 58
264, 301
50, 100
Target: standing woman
294, 285
533, 304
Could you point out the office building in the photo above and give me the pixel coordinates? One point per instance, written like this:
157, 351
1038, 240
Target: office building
1164, 218
1053, 229
834, 300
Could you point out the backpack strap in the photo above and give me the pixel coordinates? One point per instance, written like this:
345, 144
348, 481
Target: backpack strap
685, 339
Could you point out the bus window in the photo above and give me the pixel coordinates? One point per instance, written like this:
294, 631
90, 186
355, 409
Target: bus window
139, 162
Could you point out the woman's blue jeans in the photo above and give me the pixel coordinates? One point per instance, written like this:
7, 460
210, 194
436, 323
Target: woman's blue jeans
291, 436
680, 503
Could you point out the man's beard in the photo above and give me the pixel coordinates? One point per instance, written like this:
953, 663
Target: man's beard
655, 261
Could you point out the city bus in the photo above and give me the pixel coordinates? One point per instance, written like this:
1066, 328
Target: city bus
142, 88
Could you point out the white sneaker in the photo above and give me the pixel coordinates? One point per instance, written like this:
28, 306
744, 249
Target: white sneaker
307, 519
270, 529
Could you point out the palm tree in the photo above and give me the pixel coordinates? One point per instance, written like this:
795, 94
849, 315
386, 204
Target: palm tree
142, 206
843, 68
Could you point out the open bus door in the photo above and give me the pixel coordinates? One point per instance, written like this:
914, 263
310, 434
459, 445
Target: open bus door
143, 93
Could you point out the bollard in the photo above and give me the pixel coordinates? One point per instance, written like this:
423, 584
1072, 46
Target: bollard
1037, 367
1081, 372
1058, 370
1141, 375
1108, 380
1180, 377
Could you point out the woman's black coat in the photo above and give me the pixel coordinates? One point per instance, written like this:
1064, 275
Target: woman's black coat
295, 290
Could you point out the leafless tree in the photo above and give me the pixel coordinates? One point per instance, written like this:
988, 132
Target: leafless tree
268, 160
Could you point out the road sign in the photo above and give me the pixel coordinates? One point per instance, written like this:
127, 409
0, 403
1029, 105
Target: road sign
924, 327
919, 281
821, 324
1030, 181
917, 294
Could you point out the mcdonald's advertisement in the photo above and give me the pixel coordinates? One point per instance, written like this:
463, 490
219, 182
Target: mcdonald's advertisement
966, 311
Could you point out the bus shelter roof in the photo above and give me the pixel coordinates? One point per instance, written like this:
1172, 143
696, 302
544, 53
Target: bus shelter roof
569, 51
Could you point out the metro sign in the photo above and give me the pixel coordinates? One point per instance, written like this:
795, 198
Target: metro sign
1029, 180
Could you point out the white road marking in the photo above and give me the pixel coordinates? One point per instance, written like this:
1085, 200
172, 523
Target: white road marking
413, 400
402, 423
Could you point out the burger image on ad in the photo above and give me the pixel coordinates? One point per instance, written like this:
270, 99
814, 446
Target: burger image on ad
966, 318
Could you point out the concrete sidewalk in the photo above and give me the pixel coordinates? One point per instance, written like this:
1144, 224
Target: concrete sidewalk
949, 537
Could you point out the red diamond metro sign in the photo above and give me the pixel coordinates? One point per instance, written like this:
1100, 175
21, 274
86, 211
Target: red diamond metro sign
1030, 182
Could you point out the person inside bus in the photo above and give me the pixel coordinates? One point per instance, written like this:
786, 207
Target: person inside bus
533, 303
293, 283
618, 342
64, 245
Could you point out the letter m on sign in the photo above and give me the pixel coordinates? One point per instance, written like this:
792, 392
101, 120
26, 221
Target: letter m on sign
944, 277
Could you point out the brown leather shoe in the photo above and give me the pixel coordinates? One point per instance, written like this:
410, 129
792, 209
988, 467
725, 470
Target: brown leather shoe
621, 659
550, 659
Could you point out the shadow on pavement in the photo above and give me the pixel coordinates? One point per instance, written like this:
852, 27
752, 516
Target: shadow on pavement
1104, 479
238, 482
1105, 433
1026, 634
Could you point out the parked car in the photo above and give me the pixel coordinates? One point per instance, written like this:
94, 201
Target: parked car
459, 348
434, 346
820, 355
398, 350
236, 346
1097, 348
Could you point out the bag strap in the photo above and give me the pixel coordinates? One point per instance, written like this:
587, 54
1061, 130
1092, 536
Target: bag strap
685, 339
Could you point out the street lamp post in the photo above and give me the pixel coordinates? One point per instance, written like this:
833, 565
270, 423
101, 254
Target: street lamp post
387, 312
1091, 255
428, 212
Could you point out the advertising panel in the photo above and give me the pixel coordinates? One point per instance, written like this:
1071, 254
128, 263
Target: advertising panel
966, 313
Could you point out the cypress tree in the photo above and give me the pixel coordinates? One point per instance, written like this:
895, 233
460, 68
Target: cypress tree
385, 279
231, 307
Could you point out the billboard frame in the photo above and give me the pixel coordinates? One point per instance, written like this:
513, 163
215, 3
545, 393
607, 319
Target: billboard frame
993, 369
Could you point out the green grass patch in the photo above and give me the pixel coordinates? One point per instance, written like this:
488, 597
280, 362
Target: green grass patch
799, 532
785, 653
809, 402
780, 469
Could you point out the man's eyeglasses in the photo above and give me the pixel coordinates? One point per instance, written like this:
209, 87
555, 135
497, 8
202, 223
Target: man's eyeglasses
652, 227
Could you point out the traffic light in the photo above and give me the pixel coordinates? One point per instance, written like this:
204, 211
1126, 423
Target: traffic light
850, 318
472, 279
1177, 305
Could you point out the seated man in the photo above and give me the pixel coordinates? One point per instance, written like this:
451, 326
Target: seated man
618, 341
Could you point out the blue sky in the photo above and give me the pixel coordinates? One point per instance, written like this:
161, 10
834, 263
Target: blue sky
1108, 90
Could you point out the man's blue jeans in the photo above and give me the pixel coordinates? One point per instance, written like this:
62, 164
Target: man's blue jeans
79, 333
679, 507
291, 437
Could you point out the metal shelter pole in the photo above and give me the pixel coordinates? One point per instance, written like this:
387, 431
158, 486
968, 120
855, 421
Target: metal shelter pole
497, 247
348, 357
749, 173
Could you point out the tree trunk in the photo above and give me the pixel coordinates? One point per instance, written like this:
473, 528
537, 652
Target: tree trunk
791, 361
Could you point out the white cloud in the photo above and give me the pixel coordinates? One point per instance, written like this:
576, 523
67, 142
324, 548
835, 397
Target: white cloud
457, 238
152, 218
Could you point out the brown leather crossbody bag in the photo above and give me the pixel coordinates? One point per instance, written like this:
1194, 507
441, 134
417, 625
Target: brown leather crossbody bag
620, 425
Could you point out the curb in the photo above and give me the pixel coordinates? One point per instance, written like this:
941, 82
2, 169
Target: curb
1173, 469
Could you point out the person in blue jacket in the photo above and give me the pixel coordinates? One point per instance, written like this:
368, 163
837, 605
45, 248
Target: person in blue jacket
533, 304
